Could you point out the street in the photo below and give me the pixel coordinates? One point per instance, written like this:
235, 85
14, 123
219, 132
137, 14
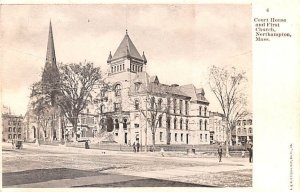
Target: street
52, 166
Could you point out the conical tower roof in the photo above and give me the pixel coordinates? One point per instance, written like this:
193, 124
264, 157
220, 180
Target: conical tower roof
127, 49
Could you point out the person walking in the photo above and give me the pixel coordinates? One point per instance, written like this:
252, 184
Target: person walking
250, 149
220, 151
138, 146
133, 146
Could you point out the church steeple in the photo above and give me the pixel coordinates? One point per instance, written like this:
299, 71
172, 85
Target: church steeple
50, 73
50, 57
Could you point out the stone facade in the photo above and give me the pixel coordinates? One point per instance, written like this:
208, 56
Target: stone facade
217, 127
243, 132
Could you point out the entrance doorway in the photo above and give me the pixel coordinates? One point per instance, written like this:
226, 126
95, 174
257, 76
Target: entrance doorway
110, 124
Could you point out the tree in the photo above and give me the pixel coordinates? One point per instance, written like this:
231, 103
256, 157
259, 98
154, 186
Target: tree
76, 83
155, 107
229, 87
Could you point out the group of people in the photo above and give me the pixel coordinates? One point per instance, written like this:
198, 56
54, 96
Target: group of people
136, 147
250, 150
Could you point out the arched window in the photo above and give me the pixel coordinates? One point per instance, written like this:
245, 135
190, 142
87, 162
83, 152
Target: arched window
200, 124
152, 102
250, 130
116, 123
118, 68
239, 130
205, 125
175, 123
205, 109
118, 90
168, 105
250, 122
159, 104
160, 121
136, 104
112, 69
187, 124
124, 123
238, 122
200, 110
181, 123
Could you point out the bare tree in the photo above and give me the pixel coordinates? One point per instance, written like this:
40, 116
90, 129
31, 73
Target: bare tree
155, 108
76, 83
229, 87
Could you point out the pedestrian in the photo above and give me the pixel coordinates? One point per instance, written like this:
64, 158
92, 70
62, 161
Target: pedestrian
138, 146
220, 151
133, 145
87, 144
250, 149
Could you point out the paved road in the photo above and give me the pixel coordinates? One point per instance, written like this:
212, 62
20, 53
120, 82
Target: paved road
48, 166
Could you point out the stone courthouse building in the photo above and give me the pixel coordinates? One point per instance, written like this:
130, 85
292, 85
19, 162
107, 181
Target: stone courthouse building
179, 113
132, 106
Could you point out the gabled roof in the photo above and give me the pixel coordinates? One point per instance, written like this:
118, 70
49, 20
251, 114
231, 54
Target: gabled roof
195, 94
127, 49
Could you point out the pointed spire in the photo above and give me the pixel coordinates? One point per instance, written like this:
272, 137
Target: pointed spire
144, 58
50, 57
127, 52
50, 72
126, 32
109, 57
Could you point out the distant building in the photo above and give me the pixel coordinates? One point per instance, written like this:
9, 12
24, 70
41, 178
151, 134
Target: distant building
217, 127
243, 131
12, 126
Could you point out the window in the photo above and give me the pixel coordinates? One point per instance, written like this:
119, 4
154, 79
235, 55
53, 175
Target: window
137, 86
19, 136
160, 121
160, 136
176, 137
200, 124
186, 124
168, 123
117, 107
186, 107
250, 130
118, 68
124, 123
102, 93
201, 137
123, 67
181, 137
180, 106
238, 122
19, 130
200, 110
14, 129
168, 105
245, 130
136, 104
205, 125
244, 122
112, 69
249, 122
205, 109
180, 123
159, 104
9, 129
175, 122
174, 105
136, 125
116, 123
239, 130
152, 102
118, 90
9, 136
102, 109
205, 137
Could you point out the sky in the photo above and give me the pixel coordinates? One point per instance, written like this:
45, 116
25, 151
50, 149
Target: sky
180, 42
